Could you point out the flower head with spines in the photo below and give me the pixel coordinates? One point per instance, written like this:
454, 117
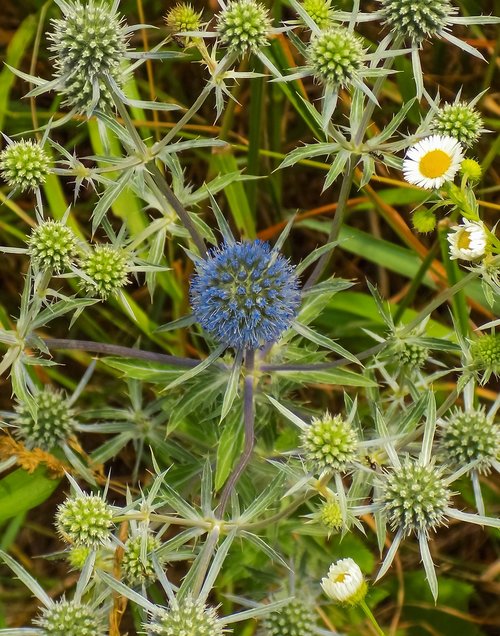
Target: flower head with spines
54, 420
296, 618
485, 355
186, 618
183, 17
52, 245
70, 618
320, 11
85, 520
335, 56
471, 436
136, 569
106, 270
460, 121
244, 295
417, 19
330, 442
24, 165
90, 44
244, 25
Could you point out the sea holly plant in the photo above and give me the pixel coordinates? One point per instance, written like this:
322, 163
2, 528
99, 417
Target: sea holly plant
258, 414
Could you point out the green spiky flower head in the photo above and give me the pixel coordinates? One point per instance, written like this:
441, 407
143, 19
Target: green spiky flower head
485, 354
24, 165
335, 56
412, 354
54, 421
330, 442
70, 618
417, 20
469, 436
52, 245
84, 520
320, 11
330, 515
414, 497
187, 618
89, 43
183, 17
296, 618
136, 569
244, 25
107, 268
460, 121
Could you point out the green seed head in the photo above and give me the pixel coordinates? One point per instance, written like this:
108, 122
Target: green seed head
52, 245
417, 19
296, 618
415, 497
24, 165
135, 569
320, 11
485, 353
335, 56
244, 25
330, 442
89, 43
54, 421
189, 618
84, 520
70, 618
330, 516
106, 266
471, 436
183, 18
459, 121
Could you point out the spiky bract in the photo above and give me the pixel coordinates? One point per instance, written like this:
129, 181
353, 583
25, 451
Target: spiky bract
296, 618
107, 268
24, 165
335, 56
84, 520
70, 618
52, 245
189, 617
417, 19
244, 25
245, 294
330, 442
54, 421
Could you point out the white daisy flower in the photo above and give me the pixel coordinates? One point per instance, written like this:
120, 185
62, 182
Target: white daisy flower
433, 161
468, 241
345, 583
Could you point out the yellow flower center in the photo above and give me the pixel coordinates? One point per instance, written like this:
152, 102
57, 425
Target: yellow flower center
463, 241
340, 578
434, 164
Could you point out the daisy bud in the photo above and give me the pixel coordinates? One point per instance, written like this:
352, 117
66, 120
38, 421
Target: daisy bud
52, 245
471, 169
24, 165
107, 267
335, 56
417, 19
433, 161
188, 616
467, 241
84, 520
345, 583
424, 220
296, 618
244, 25
330, 442
70, 618
460, 121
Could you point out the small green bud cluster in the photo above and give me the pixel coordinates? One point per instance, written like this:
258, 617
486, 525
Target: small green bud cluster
485, 353
296, 618
320, 11
84, 520
417, 19
330, 515
330, 442
189, 617
24, 165
70, 618
460, 121
89, 43
411, 354
244, 25
415, 497
135, 569
54, 420
335, 56
52, 245
469, 436
183, 17
107, 268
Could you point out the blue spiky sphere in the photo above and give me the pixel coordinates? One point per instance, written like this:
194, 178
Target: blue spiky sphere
245, 295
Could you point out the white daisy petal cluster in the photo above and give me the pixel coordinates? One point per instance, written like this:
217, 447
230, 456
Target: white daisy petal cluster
433, 161
468, 241
345, 583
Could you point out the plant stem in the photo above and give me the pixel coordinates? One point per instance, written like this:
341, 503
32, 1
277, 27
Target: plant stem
249, 419
371, 618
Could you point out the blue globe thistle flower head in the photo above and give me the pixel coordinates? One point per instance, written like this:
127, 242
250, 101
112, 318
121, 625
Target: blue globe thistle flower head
245, 295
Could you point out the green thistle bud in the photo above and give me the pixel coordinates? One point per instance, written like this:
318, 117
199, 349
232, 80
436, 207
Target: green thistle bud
107, 267
84, 520
459, 121
183, 18
52, 245
412, 355
330, 442
77, 556
24, 165
296, 618
330, 515
320, 11
187, 618
415, 497
417, 19
335, 56
89, 44
54, 421
70, 618
471, 169
424, 220
244, 25
485, 354
471, 436
135, 569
